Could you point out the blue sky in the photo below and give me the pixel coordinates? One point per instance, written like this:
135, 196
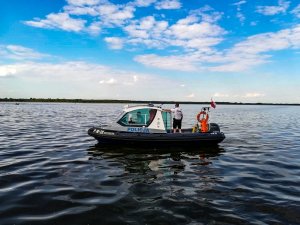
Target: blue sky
238, 51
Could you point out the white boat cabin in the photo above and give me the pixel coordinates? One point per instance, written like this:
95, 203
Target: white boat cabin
143, 119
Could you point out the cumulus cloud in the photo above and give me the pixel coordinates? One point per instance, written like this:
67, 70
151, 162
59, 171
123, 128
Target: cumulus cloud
146, 31
197, 31
105, 14
296, 11
253, 51
77, 71
109, 81
167, 62
239, 3
168, 4
240, 95
253, 95
18, 52
192, 28
114, 42
112, 14
94, 28
143, 3
192, 95
81, 10
85, 80
239, 14
197, 35
7, 70
273, 10
58, 21
221, 95
83, 2
68, 70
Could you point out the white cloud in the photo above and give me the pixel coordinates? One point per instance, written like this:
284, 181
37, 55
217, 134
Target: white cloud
246, 95
7, 70
109, 81
253, 51
147, 31
83, 2
239, 3
114, 42
237, 65
107, 14
253, 95
197, 31
190, 29
94, 28
273, 10
18, 52
85, 80
253, 23
81, 10
168, 4
167, 62
58, 21
221, 95
192, 95
111, 14
296, 11
72, 71
264, 42
239, 14
241, 17
197, 35
144, 3
207, 14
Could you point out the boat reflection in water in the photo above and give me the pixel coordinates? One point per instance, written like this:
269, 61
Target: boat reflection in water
191, 165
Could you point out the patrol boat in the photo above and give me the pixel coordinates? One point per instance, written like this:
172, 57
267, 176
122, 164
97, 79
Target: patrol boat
152, 125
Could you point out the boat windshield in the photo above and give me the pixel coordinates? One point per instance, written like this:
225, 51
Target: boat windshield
138, 117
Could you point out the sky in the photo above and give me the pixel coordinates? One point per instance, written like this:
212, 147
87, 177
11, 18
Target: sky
172, 50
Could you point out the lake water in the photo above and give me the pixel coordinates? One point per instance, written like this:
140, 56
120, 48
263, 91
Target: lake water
51, 172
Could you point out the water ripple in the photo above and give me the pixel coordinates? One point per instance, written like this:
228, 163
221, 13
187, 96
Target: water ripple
51, 171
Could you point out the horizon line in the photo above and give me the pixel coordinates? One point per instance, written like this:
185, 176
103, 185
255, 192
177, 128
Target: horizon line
78, 100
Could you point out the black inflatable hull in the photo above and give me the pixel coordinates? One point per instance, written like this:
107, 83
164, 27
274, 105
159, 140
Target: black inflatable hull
128, 138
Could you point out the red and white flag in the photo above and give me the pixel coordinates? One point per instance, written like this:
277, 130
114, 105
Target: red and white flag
213, 104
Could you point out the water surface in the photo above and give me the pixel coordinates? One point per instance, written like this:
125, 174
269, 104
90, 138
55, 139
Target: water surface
51, 171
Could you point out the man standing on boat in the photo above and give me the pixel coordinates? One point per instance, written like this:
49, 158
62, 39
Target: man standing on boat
177, 117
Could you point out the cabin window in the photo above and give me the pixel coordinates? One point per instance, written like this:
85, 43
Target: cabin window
167, 120
138, 117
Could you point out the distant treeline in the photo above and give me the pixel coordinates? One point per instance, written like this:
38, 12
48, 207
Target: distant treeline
126, 101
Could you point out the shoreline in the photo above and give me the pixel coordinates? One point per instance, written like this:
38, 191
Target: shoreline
62, 100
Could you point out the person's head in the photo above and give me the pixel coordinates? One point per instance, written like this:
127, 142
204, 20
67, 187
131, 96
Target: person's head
176, 104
